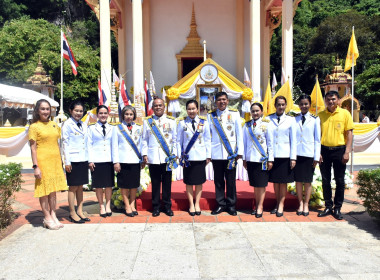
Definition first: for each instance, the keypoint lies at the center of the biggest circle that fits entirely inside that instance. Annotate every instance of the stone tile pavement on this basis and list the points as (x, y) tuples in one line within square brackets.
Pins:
[(344, 250)]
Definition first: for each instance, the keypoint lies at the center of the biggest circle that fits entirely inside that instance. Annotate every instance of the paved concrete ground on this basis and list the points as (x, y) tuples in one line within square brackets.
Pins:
[(194, 251)]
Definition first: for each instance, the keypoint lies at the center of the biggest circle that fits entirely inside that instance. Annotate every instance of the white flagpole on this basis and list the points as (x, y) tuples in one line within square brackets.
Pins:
[(316, 97), (60, 114), (204, 50), (352, 107)]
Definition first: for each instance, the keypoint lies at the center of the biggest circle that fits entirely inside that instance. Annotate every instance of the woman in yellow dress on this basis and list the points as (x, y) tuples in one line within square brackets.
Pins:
[(47, 162)]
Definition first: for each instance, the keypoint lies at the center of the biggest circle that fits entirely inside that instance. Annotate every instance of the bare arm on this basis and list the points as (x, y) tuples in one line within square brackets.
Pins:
[(349, 136), (33, 149)]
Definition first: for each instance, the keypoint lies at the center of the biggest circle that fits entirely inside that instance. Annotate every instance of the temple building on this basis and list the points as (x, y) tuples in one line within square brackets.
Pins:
[(167, 37)]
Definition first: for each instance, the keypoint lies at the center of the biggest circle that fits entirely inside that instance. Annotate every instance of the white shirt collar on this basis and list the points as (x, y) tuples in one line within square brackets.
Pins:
[(188, 119)]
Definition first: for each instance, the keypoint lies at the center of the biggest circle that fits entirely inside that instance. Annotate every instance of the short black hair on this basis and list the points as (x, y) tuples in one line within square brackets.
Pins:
[(304, 96), (280, 97), (332, 92), (257, 104), (100, 107), (192, 101), (220, 94), (75, 103)]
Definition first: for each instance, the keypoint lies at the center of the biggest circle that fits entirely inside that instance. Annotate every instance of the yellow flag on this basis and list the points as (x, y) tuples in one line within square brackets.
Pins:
[(267, 100), (317, 102), (285, 92), (352, 51)]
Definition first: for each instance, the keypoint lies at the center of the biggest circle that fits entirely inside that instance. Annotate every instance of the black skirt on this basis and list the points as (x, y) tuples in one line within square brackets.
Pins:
[(103, 175), (129, 176), (304, 171), (78, 175), (281, 172), (195, 174), (258, 177)]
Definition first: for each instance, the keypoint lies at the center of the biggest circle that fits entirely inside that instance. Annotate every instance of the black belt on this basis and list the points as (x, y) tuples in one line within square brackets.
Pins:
[(334, 148)]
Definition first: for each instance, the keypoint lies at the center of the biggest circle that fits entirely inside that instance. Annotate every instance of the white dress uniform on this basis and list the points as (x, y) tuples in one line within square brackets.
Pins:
[(225, 179), (156, 158), (283, 143), (195, 174), (257, 176), (123, 153), (308, 146), (74, 141), (99, 152), (151, 147), (74, 144)]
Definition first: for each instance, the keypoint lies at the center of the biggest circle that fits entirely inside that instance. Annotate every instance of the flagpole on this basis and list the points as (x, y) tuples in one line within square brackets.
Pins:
[(316, 97), (352, 107), (61, 116)]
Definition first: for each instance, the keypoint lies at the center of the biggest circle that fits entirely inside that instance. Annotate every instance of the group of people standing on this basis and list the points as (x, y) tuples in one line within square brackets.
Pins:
[(278, 148)]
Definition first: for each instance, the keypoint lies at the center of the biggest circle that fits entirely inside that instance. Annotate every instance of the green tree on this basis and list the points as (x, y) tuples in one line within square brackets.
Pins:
[(22, 41), (367, 87), (10, 10)]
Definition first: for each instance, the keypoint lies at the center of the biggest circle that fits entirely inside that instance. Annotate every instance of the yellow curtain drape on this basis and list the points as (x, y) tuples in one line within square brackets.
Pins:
[(187, 84), (8, 132), (363, 128), (229, 83)]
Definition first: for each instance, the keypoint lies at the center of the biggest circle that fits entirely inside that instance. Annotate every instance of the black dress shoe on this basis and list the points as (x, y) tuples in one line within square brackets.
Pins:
[(156, 213), (76, 222), (254, 212), (103, 215), (169, 212), (337, 214), (109, 214), (305, 214), (326, 212), (274, 211), (218, 210), (257, 215), (135, 213), (232, 211), (129, 214), (299, 213), (198, 213), (85, 219), (191, 213), (278, 214)]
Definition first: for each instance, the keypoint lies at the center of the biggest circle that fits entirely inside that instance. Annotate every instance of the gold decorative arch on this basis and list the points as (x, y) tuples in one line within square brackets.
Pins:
[(345, 103)]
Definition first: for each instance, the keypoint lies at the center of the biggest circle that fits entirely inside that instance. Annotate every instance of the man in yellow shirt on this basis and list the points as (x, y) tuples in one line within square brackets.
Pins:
[(336, 141)]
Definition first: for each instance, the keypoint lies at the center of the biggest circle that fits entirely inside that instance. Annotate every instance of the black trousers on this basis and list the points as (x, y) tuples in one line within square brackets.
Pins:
[(224, 179), (158, 175), (333, 158)]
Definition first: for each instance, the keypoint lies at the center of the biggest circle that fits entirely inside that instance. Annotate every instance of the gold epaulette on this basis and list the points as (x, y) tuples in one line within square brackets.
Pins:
[(212, 111), (179, 119), (248, 121), (242, 120), (139, 124), (203, 118), (233, 110), (170, 117), (145, 118), (314, 116), (91, 123), (290, 114), (265, 120), (298, 114)]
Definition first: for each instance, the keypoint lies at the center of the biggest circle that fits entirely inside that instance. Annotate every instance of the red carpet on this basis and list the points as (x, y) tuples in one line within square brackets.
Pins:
[(245, 197)]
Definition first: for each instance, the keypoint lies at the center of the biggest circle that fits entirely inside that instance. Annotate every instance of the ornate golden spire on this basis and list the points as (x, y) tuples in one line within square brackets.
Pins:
[(193, 45), (193, 35)]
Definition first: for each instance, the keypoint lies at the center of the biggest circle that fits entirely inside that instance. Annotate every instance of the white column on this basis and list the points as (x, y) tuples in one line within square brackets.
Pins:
[(138, 62), (105, 48), (255, 62), (287, 40), (265, 47)]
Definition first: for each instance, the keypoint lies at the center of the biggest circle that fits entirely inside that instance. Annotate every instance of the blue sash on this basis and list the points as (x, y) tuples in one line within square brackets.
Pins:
[(170, 160), (185, 155), (222, 135), (258, 146), (130, 141)]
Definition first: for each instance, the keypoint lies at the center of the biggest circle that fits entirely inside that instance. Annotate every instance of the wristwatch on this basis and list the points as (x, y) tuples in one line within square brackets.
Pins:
[(35, 166)]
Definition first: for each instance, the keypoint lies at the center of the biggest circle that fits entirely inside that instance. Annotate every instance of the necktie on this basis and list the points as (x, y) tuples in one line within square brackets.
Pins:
[(278, 119), (193, 124), (254, 124), (79, 125), (303, 119), (129, 127), (104, 130)]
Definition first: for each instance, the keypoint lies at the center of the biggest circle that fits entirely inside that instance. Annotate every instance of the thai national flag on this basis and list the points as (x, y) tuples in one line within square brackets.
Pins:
[(101, 94), (148, 100), (67, 53), (123, 97)]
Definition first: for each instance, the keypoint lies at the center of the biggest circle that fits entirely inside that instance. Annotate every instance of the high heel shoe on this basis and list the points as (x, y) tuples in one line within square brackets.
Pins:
[(299, 213), (135, 213), (198, 213), (129, 214), (60, 225), (85, 219), (109, 214), (103, 215), (274, 211), (191, 213), (76, 222), (259, 215), (50, 225)]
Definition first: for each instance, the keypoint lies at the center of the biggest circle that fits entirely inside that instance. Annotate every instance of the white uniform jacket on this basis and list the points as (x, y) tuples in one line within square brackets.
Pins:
[(261, 132), (151, 147), (74, 141), (201, 149), (283, 137), (232, 126), (308, 136), (122, 151), (99, 146)]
